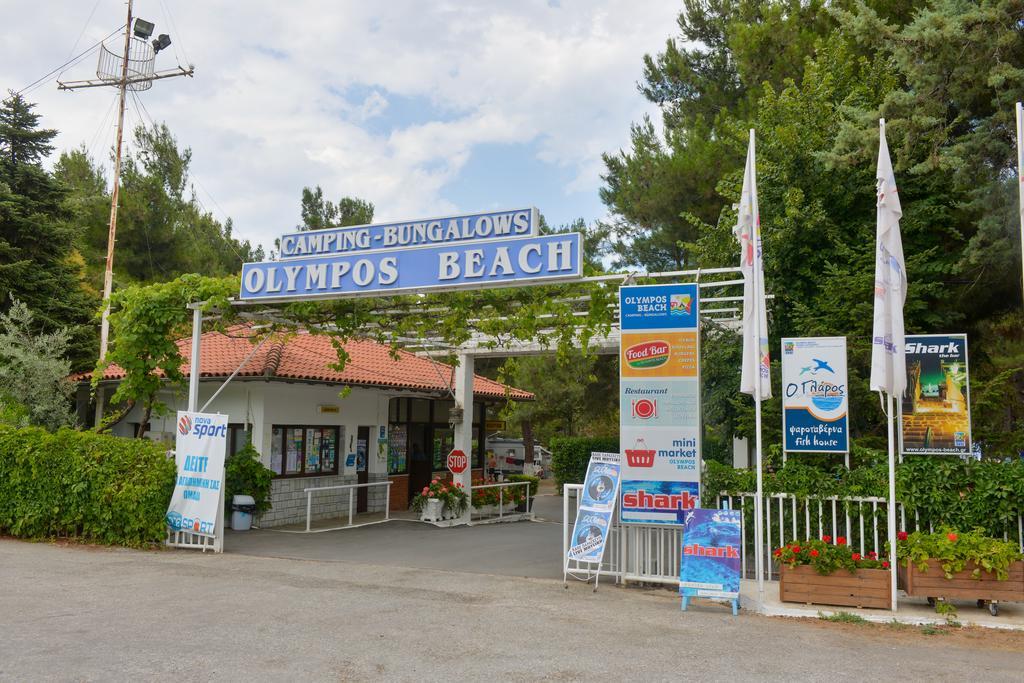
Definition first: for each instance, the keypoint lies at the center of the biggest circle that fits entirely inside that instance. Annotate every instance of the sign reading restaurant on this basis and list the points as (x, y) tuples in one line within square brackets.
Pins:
[(497, 249)]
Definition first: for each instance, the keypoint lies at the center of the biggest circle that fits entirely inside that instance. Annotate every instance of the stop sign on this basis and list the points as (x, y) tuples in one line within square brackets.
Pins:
[(457, 461)]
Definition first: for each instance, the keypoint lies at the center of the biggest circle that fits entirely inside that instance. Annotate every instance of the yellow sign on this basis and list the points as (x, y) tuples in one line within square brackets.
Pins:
[(327, 409), (495, 425), (658, 354)]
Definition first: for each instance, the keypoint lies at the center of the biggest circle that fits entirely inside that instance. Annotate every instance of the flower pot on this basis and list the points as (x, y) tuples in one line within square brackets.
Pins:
[(932, 583), (432, 511), (863, 588)]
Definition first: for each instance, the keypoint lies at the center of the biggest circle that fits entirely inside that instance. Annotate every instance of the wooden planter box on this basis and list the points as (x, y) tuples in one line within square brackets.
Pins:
[(934, 584), (865, 588)]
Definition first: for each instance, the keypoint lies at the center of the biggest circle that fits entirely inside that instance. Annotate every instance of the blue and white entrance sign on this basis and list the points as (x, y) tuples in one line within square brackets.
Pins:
[(199, 451), (659, 402), (597, 506), (815, 395), (464, 264), (712, 552), (422, 232)]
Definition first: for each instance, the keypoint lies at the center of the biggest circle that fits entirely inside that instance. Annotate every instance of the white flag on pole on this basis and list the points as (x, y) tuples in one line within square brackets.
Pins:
[(756, 367), (888, 357)]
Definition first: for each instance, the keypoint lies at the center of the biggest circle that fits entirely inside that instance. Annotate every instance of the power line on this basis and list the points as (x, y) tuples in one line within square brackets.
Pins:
[(66, 65), (85, 27)]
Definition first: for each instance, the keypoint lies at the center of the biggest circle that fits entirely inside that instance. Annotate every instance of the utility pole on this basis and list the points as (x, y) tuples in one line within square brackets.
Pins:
[(141, 57)]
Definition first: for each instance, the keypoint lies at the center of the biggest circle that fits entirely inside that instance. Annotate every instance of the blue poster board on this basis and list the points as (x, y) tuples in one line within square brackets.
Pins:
[(597, 506), (712, 555)]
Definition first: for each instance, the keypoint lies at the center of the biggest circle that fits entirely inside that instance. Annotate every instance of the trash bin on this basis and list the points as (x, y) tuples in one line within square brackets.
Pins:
[(242, 509)]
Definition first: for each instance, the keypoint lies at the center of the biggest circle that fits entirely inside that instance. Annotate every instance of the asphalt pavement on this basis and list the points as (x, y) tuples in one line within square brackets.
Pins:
[(78, 613)]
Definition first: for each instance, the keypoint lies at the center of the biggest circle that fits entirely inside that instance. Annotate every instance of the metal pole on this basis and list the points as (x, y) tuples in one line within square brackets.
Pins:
[(309, 506), (193, 378), (891, 512), (1020, 178), (108, 273), (758, 501)]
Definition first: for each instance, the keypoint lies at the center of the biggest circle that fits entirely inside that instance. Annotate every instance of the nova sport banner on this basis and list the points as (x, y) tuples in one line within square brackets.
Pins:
[(815, 395), (199, 451), (712, 552), (597, 505), (659, 402), (937, 406)]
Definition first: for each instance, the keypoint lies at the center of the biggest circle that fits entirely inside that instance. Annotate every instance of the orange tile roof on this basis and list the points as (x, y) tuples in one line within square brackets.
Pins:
[(305, 356)]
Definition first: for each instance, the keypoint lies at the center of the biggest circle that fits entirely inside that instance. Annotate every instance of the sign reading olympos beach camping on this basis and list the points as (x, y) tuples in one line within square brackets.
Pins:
[(659, 402), (597, 505), (710, 563), (815, 395), (199, 451), (937, 405), (498, 249)]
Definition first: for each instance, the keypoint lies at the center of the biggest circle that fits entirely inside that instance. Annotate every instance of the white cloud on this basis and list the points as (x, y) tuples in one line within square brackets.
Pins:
[(300, 93)]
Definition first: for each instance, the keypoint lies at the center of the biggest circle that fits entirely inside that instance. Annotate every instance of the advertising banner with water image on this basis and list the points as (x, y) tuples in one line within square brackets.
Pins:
[(597, 506), (712, 554), (937, 406), (815, 395)]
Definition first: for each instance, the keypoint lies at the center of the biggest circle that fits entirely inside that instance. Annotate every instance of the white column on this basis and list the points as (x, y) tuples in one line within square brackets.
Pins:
[(193, 378), (464, 429)]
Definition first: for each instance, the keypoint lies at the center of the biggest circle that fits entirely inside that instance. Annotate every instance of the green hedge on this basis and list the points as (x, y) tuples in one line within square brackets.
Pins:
[(534, 482), (91, 487), (571, 454)]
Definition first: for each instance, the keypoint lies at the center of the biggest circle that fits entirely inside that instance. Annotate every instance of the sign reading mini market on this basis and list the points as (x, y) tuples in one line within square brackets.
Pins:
[(498, 249)]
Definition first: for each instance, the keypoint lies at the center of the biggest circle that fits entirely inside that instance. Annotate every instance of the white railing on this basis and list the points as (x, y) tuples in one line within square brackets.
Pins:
[(351, 502), (651, 553), (500, 515)]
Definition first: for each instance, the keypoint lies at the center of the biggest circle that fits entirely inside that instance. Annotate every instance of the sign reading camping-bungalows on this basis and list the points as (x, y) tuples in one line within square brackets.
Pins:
[(200, 444), (937, 406), (815, 395), (497, 249), (659, 402)]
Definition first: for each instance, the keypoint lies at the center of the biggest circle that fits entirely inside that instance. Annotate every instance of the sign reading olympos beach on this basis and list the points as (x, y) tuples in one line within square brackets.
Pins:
[(815, 395), (937, 405), (498, 249), (659, 402)]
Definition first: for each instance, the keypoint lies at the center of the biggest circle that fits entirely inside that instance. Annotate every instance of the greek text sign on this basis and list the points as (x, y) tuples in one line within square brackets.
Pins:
[(422, 232), (815, 395), (659, 403), (504, 263), (200, 445), (937, 405), (597, 505), (709, 566)]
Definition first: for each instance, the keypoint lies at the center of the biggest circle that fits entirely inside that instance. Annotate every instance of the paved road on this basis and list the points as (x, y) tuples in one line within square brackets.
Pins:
[(78, 613), (525, 549)]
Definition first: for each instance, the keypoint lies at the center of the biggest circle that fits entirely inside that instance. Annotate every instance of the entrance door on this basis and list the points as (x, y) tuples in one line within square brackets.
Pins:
[(420, 464), (362, 473)]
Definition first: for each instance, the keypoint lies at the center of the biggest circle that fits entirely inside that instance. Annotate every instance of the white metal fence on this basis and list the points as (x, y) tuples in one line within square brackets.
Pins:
[(650, 554), (351, 502), (506, 508)]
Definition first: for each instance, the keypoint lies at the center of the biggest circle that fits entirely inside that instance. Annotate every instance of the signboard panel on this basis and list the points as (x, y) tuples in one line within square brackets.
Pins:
[(495, 263), (200, 444), (659, 401), (815, 395), (417, 233), (712, 552), (597, 506), (937, 406)]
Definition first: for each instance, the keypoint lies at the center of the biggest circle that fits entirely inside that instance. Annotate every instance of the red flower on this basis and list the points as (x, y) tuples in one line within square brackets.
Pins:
[(814, 553), (901, 535), (872, 554), (827, 539), (840, 540), (425, 490), (856, 556), (778, 552), (952, 537), (795, 549), (885, 565)]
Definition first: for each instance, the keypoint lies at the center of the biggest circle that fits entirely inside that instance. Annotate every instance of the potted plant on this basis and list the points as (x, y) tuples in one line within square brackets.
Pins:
[(960, 565), (824, 572), (244, 474), (440, 500), (485, 501)]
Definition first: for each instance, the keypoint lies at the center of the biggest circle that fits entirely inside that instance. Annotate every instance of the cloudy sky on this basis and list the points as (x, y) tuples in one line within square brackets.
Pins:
[(423, 108)]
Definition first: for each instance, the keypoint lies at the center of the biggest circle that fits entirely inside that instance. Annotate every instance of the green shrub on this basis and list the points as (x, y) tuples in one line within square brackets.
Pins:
[(245, 475), (82, 485), (534, 482), (570, 456)]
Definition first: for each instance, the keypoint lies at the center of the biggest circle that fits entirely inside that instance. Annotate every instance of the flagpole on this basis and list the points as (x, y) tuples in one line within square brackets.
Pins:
[(756, 283), (1020, 181), (892, 504)]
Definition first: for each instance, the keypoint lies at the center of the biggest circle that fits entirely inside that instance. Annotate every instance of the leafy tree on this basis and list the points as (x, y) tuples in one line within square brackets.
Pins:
[(21, 139), (319, 213), (34, 385)]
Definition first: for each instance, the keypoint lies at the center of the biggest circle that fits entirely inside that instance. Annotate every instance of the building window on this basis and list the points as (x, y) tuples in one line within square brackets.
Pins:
[(398, 448), (238, 438), (304, 451)]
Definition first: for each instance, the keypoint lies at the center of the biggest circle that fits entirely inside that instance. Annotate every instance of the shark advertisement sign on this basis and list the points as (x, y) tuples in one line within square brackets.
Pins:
[(936, 410), (815, 395), (709, 566), (659, 402)]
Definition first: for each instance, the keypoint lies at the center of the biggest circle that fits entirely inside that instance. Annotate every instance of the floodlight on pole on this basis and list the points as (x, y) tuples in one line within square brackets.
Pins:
[(143, 28), (161, 42)]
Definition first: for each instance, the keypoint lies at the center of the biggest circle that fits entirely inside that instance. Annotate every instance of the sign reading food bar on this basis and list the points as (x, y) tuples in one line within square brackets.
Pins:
[(659, 402)]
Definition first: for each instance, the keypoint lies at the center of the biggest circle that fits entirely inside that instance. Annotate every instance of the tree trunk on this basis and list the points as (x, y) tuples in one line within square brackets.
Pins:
[(144, 425), (527, 428)]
